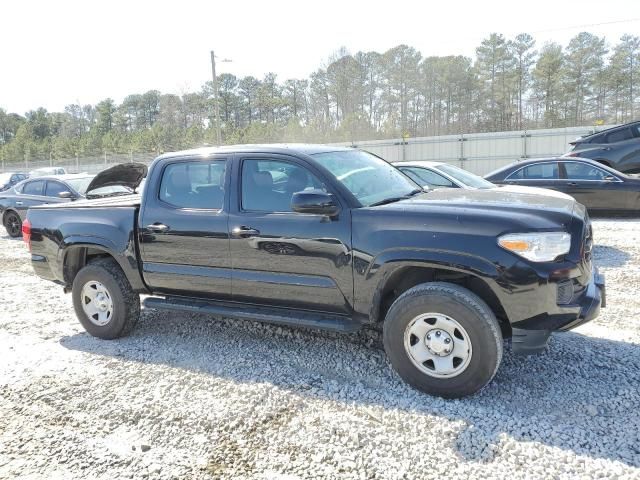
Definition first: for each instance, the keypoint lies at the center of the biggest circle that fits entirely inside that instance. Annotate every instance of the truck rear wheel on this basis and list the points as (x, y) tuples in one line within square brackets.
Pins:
[(104, 301), (443, 339)]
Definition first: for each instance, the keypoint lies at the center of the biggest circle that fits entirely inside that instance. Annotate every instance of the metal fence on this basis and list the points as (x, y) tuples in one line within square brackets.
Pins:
[(477, 152)]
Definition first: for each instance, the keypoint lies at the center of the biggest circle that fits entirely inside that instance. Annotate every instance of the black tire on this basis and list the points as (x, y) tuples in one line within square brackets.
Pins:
[(12, 223), (471, 312), (126, 303)]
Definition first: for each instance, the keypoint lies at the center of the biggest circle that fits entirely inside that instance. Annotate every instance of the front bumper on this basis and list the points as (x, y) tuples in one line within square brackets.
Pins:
[(527, 341)]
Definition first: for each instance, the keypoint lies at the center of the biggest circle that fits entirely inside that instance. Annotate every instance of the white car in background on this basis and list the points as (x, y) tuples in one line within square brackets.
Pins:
[(433, 175), (46, 171)]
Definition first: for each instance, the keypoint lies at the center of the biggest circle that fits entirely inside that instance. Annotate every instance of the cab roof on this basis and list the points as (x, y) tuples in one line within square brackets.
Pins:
[(283, 148)]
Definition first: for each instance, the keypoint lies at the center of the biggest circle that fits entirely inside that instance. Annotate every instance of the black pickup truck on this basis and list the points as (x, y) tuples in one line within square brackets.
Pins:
[(331, 238)]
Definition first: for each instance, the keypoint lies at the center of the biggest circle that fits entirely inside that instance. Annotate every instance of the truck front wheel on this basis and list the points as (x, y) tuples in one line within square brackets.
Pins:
[(104, 301), (443, 339)]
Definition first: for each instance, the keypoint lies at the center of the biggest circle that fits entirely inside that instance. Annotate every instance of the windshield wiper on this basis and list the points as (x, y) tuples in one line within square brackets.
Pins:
[(397, 199)]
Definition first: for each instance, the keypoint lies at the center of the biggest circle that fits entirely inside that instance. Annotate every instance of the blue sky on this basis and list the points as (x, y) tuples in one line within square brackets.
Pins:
[(61, 52)]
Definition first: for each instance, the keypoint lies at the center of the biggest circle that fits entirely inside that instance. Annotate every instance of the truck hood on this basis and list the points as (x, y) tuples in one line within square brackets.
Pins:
[(496, 201), (125, 174)]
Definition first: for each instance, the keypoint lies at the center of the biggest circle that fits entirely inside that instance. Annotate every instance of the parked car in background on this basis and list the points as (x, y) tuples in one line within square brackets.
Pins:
[(598, 187), (433, 175), (15, 202), (9, 179), (617, 147), (40, 172)]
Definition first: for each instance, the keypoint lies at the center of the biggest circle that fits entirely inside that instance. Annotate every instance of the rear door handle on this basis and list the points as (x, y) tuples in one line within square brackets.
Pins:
[(572, 184), (157, 227), (244, 232), (18, 203)]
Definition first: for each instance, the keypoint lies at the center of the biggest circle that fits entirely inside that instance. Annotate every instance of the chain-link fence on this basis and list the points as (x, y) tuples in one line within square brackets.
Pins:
[(79, 164)]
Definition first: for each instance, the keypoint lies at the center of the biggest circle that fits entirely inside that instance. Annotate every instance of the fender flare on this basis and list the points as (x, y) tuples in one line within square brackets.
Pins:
[(127, 263), (389, 262)]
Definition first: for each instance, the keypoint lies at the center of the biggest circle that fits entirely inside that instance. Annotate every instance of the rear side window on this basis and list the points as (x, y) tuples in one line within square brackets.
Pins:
[(538, 171), (197, 184), (619, 136), (33, 188), (55, 188)]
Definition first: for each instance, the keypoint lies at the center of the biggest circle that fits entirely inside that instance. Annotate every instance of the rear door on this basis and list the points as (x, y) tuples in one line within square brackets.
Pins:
[(281, 257), (543, 174), (184, 238)]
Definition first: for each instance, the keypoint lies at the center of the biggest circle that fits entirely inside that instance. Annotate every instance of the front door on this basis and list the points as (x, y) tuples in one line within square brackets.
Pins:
[(594, 187), (183, 229), (280, 257)]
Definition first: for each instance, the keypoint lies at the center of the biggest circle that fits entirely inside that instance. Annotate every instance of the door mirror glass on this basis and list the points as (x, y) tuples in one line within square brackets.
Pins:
[(66, 194), (314, 201)]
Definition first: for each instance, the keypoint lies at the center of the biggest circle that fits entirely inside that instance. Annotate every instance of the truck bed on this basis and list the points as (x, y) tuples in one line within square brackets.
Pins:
[(132, 200)]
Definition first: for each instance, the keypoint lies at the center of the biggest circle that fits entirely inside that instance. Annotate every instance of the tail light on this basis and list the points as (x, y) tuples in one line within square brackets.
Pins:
[(26, 233)]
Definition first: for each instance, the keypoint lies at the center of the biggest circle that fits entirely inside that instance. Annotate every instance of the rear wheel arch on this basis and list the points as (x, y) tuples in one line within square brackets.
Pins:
[(78, 256)]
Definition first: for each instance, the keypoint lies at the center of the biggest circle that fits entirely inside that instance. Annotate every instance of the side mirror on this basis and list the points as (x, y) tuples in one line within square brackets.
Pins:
[(314, 201), (609, 178), (66, 195)]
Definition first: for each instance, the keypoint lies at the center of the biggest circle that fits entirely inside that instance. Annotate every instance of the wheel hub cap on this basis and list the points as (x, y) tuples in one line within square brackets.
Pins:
[(438, 345), (439, 342), (97, 303)]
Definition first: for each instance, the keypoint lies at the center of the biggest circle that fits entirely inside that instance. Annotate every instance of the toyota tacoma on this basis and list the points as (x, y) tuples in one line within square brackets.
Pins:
[(331, 238)]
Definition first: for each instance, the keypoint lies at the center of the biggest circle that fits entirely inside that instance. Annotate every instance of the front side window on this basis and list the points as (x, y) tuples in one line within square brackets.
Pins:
[(426, 177), (197, 184), (269, 185), (33, 188), (55, 188), (583, 171), (538, 171)]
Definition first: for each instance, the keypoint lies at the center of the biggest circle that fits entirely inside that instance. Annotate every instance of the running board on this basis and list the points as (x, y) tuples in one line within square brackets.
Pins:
[(280, 316)]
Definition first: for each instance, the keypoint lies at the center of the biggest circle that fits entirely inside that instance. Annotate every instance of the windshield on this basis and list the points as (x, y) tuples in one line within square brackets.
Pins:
[(369, 178), (80, 185), (465, 177)]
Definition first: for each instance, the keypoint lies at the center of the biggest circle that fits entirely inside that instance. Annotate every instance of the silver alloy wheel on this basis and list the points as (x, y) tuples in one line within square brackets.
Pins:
[(96, 303), (437, 345)]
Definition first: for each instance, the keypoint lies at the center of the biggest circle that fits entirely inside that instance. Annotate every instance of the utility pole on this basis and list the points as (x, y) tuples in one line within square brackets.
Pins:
[(216, 107), (216, 102)]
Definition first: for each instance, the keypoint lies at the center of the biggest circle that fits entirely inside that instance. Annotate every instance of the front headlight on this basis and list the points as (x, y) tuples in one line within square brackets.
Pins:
[(537, 247)]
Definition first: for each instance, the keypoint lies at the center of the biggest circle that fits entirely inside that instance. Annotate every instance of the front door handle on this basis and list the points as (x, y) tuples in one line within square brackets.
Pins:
[(244, 232), (18, 203), (157, 227), (572, 184)]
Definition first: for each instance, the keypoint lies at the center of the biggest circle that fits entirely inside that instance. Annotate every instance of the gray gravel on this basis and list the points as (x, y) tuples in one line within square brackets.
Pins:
[(187, 396)]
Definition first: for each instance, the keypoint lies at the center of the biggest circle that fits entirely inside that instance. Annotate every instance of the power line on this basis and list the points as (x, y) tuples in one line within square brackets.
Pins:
[(587, 25)]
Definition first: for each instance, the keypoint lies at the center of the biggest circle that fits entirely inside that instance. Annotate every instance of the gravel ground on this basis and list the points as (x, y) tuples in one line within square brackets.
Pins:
[(187, 396)]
